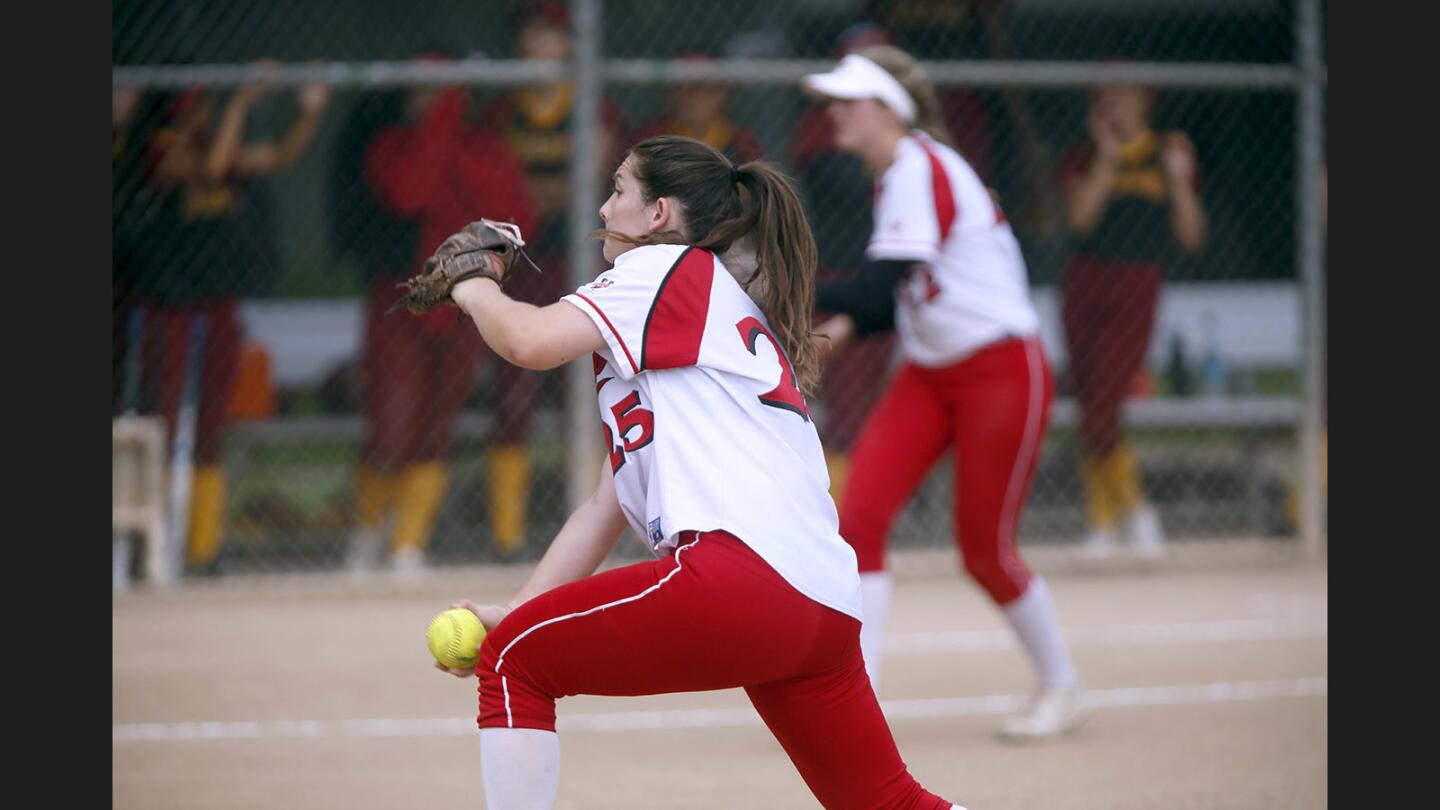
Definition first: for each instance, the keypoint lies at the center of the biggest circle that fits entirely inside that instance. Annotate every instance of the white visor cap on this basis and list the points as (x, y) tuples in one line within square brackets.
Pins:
[(858, 77)]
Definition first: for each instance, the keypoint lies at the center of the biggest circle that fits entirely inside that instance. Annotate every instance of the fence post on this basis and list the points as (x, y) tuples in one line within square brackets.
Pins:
[(1309, 240), (582, 449)]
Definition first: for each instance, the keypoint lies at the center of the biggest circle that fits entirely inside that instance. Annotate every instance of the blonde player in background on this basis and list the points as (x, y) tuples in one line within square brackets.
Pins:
[(700, 362), (944, 270)]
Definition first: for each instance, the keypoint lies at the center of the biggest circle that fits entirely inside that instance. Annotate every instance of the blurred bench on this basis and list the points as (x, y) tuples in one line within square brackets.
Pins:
[(1206, 412), (1255, 420), (245, 438), (1200, 412), (351, 427), (137, 496)]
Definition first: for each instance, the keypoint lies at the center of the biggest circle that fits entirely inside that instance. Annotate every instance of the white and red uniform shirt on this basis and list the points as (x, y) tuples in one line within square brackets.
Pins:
[(705, 423), (931, 207)]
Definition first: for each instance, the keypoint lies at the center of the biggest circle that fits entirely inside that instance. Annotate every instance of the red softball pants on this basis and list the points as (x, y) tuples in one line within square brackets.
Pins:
[(1109, 312), (166, 344), (416, 380), (712, 616), (992, 407)]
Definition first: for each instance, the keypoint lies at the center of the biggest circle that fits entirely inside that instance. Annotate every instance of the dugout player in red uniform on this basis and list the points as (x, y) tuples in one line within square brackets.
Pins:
[(1133, 206), (699, 337), (437, 171), (945, 271)]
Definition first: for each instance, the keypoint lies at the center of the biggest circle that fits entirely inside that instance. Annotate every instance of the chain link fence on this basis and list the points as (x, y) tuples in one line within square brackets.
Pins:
[(264, 210)]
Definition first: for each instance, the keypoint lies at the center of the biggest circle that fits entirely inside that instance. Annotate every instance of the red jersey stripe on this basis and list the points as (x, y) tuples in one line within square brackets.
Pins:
[(618, 339), (676, 322), (940, 187)]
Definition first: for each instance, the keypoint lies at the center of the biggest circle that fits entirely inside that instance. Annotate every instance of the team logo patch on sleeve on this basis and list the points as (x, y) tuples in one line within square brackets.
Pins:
[(599, 284), (656, 535)]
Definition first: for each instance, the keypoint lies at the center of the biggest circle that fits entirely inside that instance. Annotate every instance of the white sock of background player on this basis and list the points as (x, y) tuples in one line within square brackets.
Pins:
[(876, 590), (520, 768), (1034, 620)]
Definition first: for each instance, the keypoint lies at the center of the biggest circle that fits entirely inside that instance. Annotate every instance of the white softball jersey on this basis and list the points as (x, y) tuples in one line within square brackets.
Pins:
[(932, 208), (705, 423)]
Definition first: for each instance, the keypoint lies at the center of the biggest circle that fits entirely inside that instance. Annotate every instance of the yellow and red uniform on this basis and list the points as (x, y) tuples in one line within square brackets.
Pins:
[(1110, 292)]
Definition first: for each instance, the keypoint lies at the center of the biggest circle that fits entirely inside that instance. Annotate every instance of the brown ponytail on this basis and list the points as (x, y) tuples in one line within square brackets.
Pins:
[(724, 205)]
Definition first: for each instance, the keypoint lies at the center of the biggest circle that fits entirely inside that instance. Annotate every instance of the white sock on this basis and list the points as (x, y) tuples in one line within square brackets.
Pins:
[(1034, 620), (520, 768), (876, 588)]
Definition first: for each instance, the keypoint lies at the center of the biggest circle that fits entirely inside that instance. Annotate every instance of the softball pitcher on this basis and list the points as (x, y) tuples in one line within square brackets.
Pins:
[(700, 366), (945, 271)]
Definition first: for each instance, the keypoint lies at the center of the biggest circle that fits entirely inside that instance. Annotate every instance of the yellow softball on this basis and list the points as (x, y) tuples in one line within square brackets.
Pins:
[(453, 637)]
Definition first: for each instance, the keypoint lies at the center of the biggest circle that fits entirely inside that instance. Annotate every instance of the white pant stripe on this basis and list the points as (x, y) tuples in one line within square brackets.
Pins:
[(1011, 505), (505, 685), (500, 663)]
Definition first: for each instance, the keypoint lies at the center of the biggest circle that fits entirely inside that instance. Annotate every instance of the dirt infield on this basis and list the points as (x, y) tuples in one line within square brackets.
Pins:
[(1210, 684)]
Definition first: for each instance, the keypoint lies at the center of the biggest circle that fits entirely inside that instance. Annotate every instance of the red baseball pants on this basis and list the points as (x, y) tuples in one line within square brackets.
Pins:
[(416, 380), (993, 407), (712, 616), (166, 345), (1109, 312)]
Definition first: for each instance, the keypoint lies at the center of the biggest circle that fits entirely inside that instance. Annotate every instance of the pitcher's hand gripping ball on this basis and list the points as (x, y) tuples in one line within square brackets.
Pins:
[(483, 248), (453, 637)]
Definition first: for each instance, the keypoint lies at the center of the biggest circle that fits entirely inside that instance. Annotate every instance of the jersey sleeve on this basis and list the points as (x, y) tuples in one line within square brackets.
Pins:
[(651, 307), (907, 226)]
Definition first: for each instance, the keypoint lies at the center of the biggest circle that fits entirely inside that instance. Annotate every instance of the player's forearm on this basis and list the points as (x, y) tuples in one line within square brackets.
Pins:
[(267, 158), (538, 338), (582, 544), (835, 331), (508, 326), (1187, 218), (226, 147)]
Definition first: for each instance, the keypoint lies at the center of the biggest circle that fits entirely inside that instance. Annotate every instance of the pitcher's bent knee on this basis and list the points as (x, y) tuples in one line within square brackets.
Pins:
[(509, 696)]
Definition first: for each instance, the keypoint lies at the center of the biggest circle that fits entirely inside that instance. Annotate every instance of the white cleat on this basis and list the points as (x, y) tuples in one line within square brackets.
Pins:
[(1100, 544), (364, 552), (407, 562), (1142, 528), (1052, 712)]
